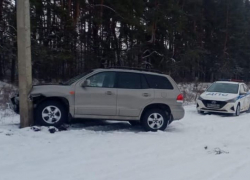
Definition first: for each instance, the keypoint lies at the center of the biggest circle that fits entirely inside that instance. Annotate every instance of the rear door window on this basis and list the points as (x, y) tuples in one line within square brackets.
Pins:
[(129, 80), (144, 83), (158, 82)]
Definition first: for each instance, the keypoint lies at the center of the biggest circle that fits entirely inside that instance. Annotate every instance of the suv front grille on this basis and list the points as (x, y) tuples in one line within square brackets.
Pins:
[(214, 104)]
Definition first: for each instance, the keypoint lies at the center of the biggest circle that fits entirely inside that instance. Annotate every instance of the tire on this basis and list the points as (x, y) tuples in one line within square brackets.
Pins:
[(237, 112), (154, 120), (51, 113), (248, 111), (135, 123), (171, 119)]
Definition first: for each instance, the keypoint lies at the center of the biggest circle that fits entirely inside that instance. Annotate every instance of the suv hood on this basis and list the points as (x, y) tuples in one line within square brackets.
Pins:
[(218, 96), (50, 84), (51, 90)]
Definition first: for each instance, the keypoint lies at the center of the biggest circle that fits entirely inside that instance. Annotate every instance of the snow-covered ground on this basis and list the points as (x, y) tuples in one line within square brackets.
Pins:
[(200, 147)]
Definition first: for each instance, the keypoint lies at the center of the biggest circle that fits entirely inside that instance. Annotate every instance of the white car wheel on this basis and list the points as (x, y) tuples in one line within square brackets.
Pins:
[(237, 113)]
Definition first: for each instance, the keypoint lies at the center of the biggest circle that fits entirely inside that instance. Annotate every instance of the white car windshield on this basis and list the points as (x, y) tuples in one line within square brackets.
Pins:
[(224, 88)]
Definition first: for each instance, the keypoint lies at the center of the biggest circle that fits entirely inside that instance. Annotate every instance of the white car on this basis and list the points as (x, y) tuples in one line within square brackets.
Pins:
[(225, 97)]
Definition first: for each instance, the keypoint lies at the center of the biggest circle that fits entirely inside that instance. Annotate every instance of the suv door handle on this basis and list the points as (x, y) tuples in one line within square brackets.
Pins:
[(146, 94), (109, 93)]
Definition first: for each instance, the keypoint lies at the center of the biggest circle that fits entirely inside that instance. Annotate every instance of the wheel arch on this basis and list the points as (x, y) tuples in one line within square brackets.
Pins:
[(161, 106), (40, 99)]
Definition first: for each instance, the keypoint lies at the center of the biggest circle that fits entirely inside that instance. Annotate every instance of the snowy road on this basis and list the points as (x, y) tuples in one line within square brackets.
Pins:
[(187, 150)]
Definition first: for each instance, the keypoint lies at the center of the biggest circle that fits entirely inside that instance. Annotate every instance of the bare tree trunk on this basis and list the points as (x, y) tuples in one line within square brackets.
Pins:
[(226, 36), (24, 62)]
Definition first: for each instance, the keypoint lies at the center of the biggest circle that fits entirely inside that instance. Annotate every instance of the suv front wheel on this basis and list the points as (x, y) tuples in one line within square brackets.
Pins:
[(51, 113), (155, 119)]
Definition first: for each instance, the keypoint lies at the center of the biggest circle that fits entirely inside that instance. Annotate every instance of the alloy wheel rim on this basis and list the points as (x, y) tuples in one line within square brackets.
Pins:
[(51, 114), (155, 121)]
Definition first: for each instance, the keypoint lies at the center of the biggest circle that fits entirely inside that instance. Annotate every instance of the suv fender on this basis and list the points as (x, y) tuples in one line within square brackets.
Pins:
[(160, 106)]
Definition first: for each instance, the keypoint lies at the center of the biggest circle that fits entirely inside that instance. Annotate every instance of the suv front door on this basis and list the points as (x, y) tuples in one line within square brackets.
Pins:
[(133, 94), (98, 97)]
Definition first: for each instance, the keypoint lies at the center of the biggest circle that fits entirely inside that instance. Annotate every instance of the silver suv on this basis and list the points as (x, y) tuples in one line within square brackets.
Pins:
[(138, 96)]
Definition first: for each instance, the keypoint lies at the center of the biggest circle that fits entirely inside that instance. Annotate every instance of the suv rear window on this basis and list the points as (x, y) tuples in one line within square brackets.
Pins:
[(158, 82)]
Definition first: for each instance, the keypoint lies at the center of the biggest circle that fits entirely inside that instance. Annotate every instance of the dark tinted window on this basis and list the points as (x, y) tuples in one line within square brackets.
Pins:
[(224, 88), (129, 81), (144, 83), (158, 82)]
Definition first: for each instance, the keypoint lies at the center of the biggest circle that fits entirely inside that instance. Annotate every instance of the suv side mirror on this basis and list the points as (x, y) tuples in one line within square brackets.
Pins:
[(86, 83)]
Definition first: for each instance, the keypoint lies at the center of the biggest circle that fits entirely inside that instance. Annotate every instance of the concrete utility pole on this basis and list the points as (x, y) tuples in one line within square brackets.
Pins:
[(24, 62)]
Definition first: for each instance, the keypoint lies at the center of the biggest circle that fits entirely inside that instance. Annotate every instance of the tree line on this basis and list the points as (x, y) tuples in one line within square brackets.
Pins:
[(202, 40)]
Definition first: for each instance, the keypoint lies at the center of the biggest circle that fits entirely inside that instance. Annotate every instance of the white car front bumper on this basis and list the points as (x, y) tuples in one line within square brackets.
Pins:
[(228, 108)]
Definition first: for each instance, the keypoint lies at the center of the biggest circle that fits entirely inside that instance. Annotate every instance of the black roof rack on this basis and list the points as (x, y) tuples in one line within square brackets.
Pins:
[(134, 68)]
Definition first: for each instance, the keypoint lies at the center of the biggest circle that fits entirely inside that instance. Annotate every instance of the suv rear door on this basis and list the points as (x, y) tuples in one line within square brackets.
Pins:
[(164, 90), (133, 94), (99, 98)]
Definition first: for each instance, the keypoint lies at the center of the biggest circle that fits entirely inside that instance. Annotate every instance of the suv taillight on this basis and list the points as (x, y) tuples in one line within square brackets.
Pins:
[(180, 98)]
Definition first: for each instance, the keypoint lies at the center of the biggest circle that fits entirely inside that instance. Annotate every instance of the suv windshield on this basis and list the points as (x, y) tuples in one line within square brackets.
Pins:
[(74, 79), (224, 88)]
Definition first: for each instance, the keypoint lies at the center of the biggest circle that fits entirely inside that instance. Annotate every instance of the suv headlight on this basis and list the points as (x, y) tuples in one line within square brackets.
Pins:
[(232, 100)]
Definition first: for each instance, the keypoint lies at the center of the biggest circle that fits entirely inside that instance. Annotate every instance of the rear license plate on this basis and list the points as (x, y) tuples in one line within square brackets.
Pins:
[(216, 106)]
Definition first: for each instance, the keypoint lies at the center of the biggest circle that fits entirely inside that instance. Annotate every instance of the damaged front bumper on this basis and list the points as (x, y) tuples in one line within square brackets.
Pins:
[(14, 103)]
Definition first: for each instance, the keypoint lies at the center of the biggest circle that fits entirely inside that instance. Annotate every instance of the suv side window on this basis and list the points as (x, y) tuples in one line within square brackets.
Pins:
[(144, 83), (129, 80), (103, 79), (158, 82)]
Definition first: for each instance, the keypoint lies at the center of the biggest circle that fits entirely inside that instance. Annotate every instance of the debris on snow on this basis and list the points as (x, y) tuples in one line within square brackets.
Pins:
[(219, 151), (63, 127), (36, 128), (52, 129)]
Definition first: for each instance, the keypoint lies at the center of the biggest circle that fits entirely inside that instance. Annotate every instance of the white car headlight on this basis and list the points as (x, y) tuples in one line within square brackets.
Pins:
[(200, 98)]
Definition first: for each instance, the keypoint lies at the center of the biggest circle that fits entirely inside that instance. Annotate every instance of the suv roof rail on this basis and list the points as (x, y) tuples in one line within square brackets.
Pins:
[(133, 68)]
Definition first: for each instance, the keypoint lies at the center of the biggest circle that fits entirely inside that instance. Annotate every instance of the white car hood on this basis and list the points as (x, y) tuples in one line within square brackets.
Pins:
[(218, 96)]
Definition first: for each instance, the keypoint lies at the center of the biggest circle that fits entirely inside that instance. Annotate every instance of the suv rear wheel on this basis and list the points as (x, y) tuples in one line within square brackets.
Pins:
[(155, 119), (51, 113)]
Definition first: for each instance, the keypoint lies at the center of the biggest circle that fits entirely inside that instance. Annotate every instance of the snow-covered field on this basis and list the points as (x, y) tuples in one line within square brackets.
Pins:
[(200, 147)]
